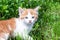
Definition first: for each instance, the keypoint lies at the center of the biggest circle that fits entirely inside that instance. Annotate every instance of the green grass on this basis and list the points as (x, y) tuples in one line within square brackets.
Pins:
[(48, 25)]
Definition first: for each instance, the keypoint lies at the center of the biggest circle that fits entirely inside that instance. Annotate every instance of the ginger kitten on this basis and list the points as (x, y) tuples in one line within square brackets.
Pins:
[(21, 25)]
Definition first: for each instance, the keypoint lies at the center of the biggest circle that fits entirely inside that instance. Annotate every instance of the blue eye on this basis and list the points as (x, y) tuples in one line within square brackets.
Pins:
[(26, 17), (33, 17)]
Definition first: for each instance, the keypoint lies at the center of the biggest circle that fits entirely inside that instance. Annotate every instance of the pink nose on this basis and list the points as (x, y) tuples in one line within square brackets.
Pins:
[(29, 21)]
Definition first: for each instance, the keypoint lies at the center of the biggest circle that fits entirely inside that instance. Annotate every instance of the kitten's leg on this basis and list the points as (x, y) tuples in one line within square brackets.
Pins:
[(4, 36)]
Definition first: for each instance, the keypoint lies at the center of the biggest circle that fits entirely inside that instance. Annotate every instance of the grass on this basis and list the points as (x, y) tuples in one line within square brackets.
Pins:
[(47, 26)]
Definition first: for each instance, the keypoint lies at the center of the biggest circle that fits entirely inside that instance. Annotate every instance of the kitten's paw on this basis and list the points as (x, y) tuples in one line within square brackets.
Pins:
[(2, 39), (30, 38)]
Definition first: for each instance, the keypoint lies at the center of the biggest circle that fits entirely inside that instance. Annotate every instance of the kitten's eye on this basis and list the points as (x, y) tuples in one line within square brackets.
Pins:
[(26, 17), (33, 17)]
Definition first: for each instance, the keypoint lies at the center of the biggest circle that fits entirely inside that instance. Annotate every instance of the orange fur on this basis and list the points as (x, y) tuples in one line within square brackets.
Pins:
[(4, 26)]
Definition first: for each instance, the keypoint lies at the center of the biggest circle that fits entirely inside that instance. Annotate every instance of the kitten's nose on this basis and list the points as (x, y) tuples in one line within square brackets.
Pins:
[(29, 21)]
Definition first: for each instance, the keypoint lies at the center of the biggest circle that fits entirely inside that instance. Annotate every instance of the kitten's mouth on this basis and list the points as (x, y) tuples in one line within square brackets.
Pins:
[(29, 23)]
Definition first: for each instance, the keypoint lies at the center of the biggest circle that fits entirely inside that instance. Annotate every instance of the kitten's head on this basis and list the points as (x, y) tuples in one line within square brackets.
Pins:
[(29, 16)]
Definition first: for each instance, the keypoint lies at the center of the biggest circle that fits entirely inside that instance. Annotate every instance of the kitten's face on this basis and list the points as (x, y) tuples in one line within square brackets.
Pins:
[(29, 16)]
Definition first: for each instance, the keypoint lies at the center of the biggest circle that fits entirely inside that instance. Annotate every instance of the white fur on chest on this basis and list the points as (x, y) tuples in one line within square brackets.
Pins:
[(22, 28)]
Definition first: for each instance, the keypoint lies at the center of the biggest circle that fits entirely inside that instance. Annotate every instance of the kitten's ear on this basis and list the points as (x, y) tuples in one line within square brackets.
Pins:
[(37, 8), (20, 10)]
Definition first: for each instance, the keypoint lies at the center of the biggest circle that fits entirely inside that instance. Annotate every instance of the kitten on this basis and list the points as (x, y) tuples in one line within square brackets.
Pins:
[(21, 25)]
